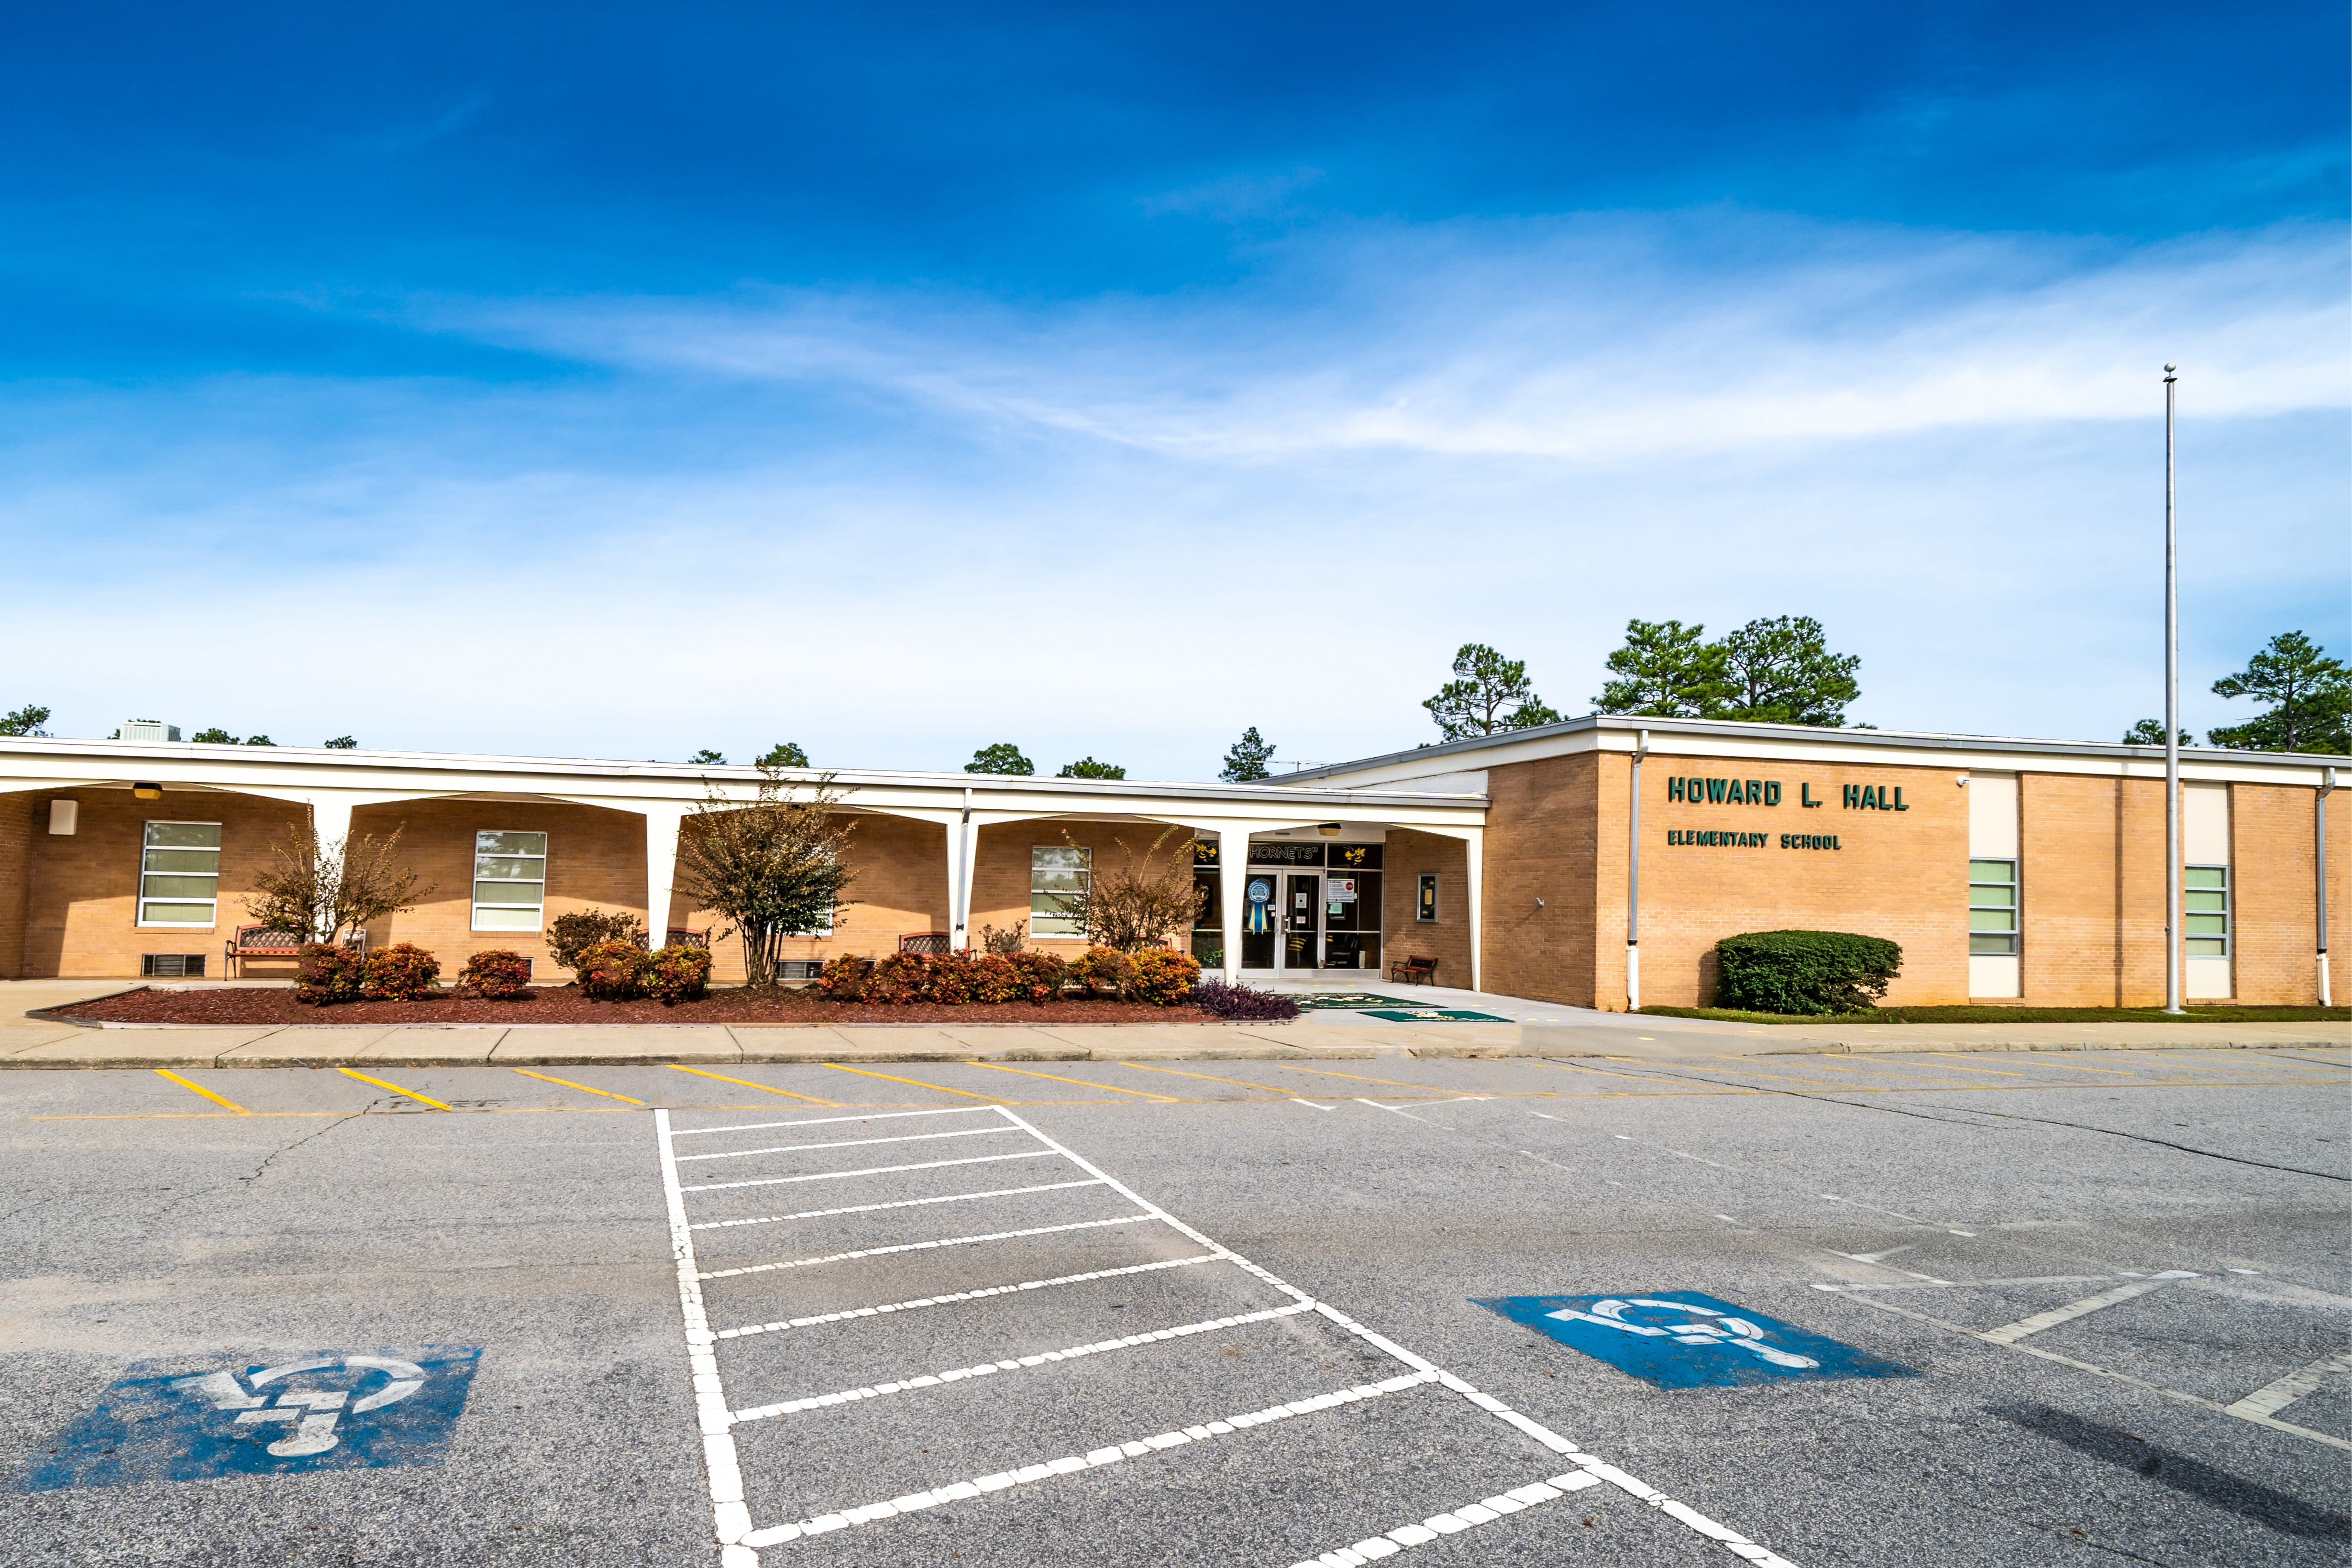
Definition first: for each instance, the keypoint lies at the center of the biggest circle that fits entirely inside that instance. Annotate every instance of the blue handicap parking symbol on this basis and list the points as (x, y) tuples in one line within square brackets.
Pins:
[(1680, 1339), (170, 1421)]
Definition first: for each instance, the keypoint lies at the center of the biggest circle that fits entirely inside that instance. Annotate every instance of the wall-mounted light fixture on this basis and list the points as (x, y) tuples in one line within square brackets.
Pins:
[(65, 816), (146, 792), (1328, 829)]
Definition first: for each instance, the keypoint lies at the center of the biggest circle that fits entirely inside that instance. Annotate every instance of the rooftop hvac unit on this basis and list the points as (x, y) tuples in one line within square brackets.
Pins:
[(149, 730)]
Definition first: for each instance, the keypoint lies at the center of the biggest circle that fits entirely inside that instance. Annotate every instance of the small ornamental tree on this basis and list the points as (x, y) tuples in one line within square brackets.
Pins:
[(401, 972), (1139, 903), (335, 890), (773, 867), (571, 933)]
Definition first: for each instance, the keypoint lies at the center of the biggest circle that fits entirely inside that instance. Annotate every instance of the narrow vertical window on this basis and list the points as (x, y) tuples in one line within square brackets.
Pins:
[(509, 880), (1424, 909), (2206, 897), (1992, 906), (1058, 874), (179, 874)]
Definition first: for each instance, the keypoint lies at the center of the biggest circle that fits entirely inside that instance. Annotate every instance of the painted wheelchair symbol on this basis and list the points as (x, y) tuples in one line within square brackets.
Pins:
[(1724, 1329), (311, 1412)]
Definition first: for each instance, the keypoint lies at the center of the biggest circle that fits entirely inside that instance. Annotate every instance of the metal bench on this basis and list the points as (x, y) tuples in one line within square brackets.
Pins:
[(260, 942), (679, 936), (934, 943), (1414, 971)]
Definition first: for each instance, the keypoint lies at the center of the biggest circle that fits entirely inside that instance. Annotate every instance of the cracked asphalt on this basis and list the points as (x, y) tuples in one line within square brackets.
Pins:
[(1906, 1206)]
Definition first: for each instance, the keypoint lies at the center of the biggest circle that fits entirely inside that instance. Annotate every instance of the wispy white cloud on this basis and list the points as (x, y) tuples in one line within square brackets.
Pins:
[(1602, 338)]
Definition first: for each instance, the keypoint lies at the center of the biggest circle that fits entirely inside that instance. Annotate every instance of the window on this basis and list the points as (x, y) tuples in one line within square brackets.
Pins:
[(1992, 906), (1058, 873), (2207, 897), (1424, 909), (179, 874), (509, 880)]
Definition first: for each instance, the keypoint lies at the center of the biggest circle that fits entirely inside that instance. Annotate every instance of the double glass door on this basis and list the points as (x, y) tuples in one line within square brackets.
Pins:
[(1300, 913)]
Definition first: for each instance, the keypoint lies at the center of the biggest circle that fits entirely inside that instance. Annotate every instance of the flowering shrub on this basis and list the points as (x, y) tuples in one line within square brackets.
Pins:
[(401, 972), (844, 979), (329, 973), (994, 978), (1039, 976), (948, 980), (609, 971), (1242, 1004), (675, 973), (899, 979), (1162, 977), (1104, 971), (496, 976)]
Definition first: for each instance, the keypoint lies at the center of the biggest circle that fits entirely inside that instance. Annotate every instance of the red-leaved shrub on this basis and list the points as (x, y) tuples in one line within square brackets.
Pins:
[(948, 980), (500, 974), (401, 972), (608, 970), (993, 978), (1104, 971), (675, 973), (844, 979), (1039, 976), (1162, 977), (898, 979), (328, 972)]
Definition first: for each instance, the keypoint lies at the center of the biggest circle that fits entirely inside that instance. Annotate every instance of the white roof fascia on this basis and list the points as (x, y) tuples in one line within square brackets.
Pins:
[(29, 763), (1805, 743)]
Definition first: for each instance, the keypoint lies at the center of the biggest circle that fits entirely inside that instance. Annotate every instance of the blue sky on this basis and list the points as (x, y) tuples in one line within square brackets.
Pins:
[(896, 380)]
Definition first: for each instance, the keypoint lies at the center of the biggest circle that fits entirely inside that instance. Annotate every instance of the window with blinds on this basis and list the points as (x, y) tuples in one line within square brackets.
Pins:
[(509, 880), (179, 874)]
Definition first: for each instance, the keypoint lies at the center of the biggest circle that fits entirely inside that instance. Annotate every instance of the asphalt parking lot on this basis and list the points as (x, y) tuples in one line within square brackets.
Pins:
[(1220, 1312)]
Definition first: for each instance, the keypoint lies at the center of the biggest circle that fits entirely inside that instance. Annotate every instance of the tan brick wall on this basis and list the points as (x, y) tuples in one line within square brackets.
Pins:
[(1898, 875), (900, 870), (80, 919), (1000, 886), (2271, 852), (1446, 939), (595, 860), (1542, 837), (2090, 870), (16, 875)]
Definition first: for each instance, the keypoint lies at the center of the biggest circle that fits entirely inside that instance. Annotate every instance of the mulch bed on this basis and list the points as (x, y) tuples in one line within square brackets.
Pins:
[(565, 1004)]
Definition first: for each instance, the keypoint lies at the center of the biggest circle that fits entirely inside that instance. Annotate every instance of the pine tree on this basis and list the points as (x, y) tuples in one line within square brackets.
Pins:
[(1489, 693), (1003, 757), (1246, 761)]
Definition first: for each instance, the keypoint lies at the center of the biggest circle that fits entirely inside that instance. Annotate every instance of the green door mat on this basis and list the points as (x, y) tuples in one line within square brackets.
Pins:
[(1432, 1015), (1317, 1000)]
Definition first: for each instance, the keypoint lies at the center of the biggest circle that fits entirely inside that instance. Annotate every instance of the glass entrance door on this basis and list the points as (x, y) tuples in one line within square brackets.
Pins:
[(1302, 927), (1260, 918)]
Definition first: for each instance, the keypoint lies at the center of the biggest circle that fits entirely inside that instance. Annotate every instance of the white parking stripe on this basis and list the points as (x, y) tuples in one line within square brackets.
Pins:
[(924, 1246), (945, 1297), (868, 1171), (826, 1121), (900, 1204), (2010, 1334), (2272, 1398), (1101, 1347), (1453, 1522), (847, 1143), (1029, 1474)]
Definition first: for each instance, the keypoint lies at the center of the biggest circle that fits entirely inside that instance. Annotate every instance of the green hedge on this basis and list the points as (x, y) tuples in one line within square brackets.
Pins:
[(1808, 972)]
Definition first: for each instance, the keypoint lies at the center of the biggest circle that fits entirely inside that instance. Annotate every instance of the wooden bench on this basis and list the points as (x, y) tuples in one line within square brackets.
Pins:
[(1414, 971), (260, 942), (934, 943)]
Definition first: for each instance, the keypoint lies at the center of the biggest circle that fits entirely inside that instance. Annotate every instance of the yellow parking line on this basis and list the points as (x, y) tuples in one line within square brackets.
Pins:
[(200, 1089), (1893, 1072), (1208, 1077), (747, 1083), (1081, 1083), (2070, 1067), (411, 1094), (567, 1083), (918, 1083)]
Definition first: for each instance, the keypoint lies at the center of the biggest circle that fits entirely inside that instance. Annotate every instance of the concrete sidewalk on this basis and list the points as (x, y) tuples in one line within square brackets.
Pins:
[(1548, 1030)]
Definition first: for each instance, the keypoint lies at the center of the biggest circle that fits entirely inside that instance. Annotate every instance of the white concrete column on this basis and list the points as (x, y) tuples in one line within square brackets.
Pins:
[(963, 851), (662, 821), (1474, 845), (1232, 868), (330, 820)]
